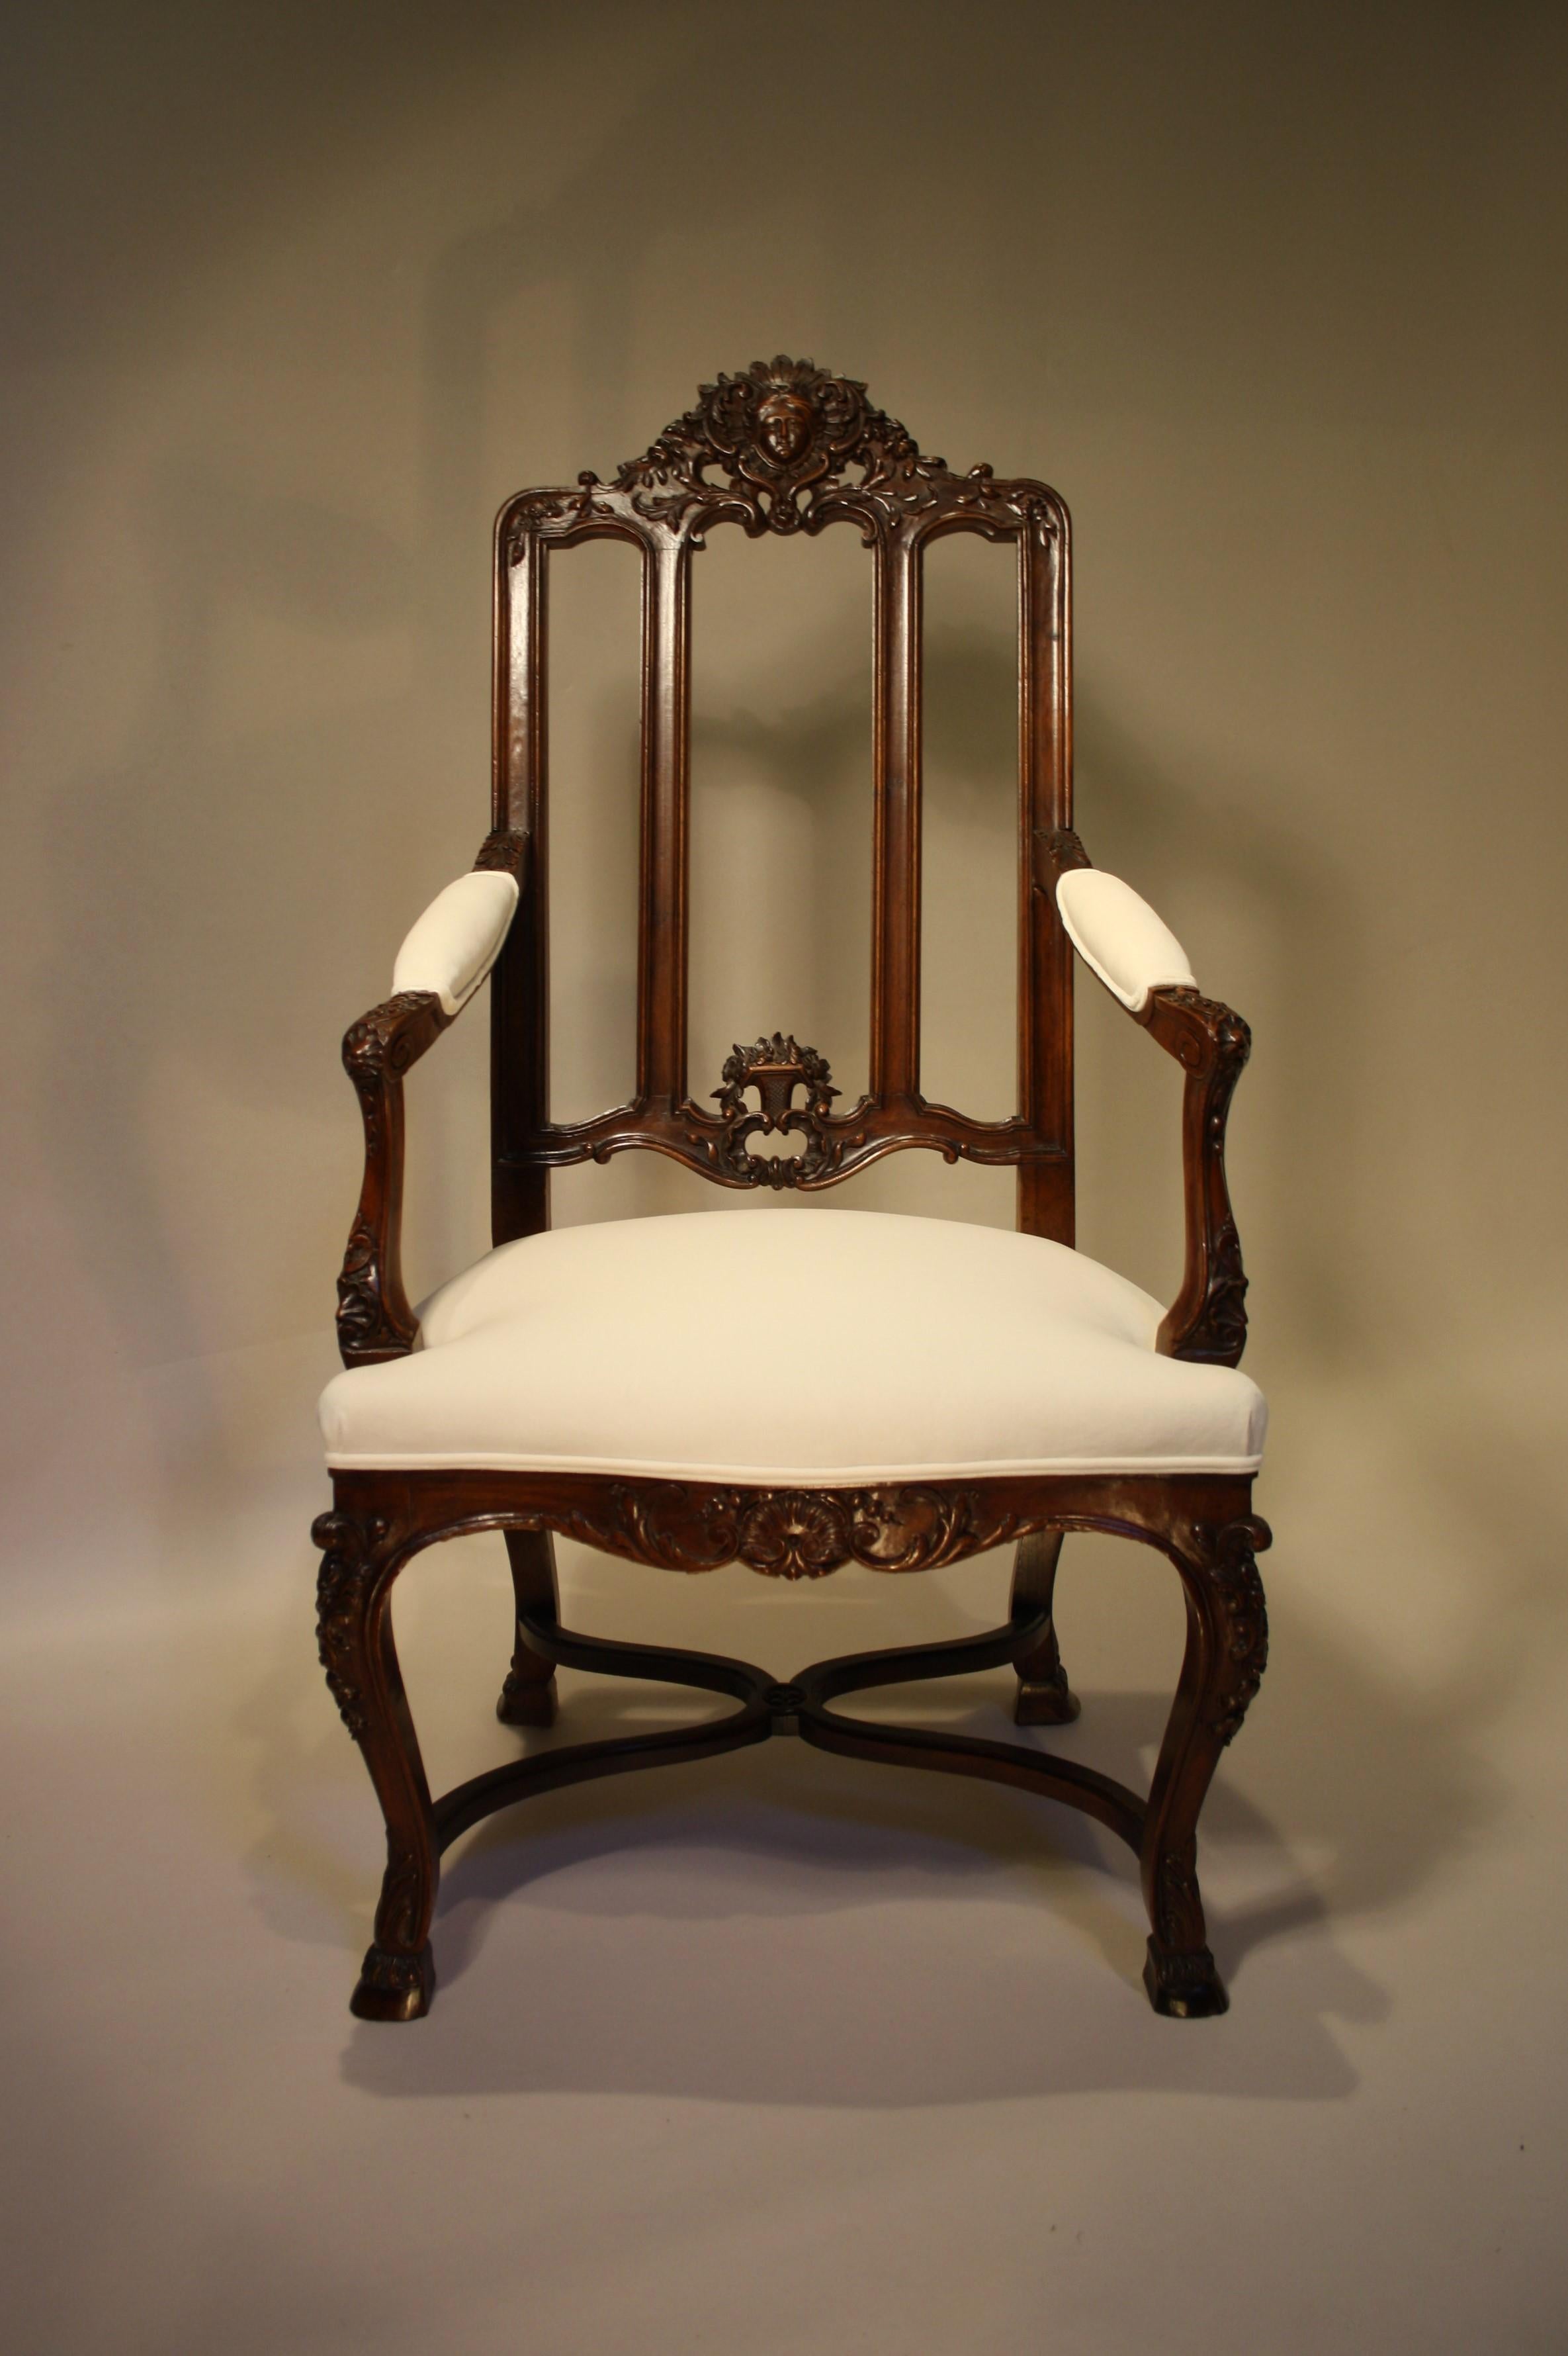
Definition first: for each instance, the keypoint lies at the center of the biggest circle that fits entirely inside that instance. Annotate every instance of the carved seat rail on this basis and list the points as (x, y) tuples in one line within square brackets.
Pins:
[(382, 1520)]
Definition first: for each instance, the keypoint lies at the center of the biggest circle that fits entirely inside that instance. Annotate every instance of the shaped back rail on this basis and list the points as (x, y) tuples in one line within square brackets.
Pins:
[(784, 448)]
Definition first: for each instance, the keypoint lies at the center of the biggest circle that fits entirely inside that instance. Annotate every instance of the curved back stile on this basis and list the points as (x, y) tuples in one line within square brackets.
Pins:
[(784, 448)]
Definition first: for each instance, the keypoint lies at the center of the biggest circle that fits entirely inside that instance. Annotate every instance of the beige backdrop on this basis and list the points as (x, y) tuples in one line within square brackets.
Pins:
[(1274, 297)]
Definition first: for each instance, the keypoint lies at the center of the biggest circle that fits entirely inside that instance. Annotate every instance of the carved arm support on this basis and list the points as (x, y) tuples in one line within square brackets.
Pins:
[(441, 964), (1208, 1319), (1144, 969)]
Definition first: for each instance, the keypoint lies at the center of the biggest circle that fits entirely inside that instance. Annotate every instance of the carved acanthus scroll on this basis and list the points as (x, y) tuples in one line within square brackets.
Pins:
[(348, 1567), (783, 446), (792, 1533), (502, 851), (775, 1068), (1231, 1551), (776, 436), (1066, 850)]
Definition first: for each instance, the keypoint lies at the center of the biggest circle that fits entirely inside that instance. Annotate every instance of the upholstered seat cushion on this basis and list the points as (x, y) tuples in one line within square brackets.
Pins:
[(792, 1346)]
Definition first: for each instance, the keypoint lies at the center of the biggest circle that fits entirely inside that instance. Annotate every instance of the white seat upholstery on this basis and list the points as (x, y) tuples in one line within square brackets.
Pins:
[(796, 1347)]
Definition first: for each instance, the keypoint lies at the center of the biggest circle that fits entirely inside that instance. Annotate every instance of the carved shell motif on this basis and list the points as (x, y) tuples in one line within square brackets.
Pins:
[(792, 1533)]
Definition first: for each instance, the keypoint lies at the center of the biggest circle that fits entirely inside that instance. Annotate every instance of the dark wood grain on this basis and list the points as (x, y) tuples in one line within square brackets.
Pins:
[(1208, 1319), (1044, 1697), (380, 1520), (787, 448), (362, 1553), (528, 1696), (783, 447), (374, 1318)]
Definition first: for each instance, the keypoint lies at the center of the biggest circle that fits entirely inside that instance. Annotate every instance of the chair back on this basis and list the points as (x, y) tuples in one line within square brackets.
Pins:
[(784, 448)]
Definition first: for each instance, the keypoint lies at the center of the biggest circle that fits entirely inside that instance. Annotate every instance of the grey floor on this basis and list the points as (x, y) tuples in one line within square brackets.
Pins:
[(773, 2050)]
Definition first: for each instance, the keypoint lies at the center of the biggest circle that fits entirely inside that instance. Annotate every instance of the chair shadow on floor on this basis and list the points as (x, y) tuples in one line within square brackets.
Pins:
[(792, 1932)]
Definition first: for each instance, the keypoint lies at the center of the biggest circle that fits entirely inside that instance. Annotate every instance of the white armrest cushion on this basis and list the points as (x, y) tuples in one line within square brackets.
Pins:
[(457, 940), (1119, 936)]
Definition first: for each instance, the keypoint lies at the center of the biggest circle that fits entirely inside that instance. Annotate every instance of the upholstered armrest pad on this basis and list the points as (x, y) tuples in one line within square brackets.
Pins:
[(1119, 936), (458, 939)]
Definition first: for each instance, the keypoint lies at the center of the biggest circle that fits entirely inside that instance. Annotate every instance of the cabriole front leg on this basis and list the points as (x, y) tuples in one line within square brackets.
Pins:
[(362, 1553), (1044, 1697), (1227, 1650)]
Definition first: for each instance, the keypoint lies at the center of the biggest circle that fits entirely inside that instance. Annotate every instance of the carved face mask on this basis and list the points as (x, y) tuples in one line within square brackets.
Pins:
[(783, 425)]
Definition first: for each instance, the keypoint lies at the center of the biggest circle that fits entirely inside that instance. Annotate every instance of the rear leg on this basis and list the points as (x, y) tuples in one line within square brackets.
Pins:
[(1044, 1697), (528, 1696)]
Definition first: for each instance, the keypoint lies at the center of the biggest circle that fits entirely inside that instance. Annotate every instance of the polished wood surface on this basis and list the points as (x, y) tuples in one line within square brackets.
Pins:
[(380, 1520), (728, 462), (374, 1318), (1208, 1319), (784, 448)]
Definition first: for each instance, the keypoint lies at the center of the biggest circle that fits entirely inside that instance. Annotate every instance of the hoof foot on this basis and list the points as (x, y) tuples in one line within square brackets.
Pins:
[(1050, 1702), (1184, 1987), (527, 1704), (394, 1987)]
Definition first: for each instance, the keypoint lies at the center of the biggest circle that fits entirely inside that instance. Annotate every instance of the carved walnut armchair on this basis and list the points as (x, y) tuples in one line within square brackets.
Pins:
[(985, 1387)]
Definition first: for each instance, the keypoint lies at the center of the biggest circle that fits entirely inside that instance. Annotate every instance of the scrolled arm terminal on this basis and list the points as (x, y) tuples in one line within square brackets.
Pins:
[(441, 964), (1146, 968)]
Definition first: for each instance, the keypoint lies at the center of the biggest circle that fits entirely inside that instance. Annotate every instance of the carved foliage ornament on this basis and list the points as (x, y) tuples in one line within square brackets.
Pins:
[(504, 851), (342, 1591), (1066, 850), (1232, 1552), (781, 447), (1221, 1332), (1178, 1909), (362, 1322), (771, 434), (383, 1044), (790, 1533), (775, 1067), (401, 1916)]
